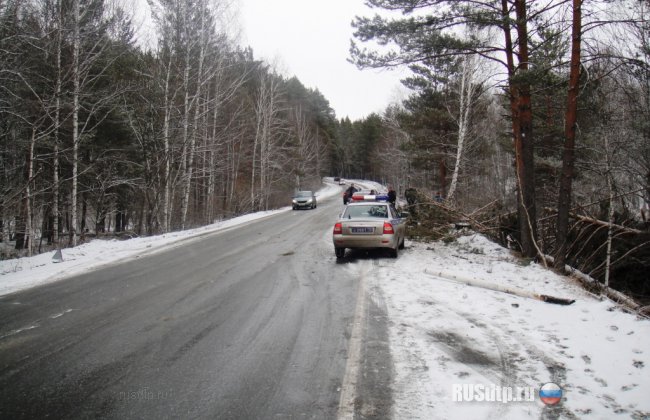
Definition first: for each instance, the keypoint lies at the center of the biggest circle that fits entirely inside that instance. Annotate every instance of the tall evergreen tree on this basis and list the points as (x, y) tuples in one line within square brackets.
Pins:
[(429, 36)]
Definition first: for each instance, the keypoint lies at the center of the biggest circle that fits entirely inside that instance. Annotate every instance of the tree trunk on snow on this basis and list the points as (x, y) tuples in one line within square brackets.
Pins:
[(522, 127), (84, 213), (29, 231), (186, 177), (610, 216), (4, 221), (442, 175), (210, 162), (526, 161), (57, 125), (167, 167), (568, 152), (75, 120), (256, 140)]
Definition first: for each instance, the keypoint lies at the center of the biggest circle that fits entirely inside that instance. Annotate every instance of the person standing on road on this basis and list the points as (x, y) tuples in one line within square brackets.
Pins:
[(348, 194), (392, 195)]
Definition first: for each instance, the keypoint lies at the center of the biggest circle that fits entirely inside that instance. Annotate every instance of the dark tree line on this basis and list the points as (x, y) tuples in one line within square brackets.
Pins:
[(98, 134)]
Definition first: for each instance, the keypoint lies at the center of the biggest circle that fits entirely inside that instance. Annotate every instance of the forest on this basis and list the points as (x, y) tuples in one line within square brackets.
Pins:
[(530, 118)]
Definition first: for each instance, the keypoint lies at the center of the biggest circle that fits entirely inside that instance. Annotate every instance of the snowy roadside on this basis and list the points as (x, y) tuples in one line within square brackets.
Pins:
[(23, 273), (447, 336)]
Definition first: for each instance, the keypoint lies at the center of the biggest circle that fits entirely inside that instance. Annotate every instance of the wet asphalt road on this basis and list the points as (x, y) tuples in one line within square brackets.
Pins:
[(250, 323)]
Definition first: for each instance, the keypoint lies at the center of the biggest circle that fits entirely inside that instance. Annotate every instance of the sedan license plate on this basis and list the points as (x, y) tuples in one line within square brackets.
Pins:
[(362, 230)]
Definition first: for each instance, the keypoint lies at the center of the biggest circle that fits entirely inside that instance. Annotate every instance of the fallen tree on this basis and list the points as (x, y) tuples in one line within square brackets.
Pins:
[(497, 287), (625, 265)]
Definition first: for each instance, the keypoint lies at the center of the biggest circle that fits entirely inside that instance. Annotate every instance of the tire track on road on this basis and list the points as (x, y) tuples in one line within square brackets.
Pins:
[(353, 365)]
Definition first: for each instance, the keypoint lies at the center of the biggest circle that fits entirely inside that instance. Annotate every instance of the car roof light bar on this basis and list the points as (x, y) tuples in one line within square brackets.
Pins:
[(370, 197)]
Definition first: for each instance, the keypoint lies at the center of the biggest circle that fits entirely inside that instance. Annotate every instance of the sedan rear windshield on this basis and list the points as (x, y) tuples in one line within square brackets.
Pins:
[(353, 212)]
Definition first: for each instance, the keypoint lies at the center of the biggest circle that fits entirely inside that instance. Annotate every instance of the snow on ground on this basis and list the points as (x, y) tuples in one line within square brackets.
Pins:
[(23, 273), (445, 334)]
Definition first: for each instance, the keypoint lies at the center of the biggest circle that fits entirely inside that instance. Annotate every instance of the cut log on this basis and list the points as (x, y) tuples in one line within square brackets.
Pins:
[(498, 288)]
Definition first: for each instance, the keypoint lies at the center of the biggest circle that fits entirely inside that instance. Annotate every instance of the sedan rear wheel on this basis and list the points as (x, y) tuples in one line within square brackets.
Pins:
[(394, 252), (340, 252)]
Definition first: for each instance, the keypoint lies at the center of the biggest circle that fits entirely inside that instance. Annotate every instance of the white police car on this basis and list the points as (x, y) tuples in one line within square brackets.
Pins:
[(369, 222)]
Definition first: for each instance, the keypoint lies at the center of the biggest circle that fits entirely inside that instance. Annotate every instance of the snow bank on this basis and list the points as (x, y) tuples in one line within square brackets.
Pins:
[(445, 334)]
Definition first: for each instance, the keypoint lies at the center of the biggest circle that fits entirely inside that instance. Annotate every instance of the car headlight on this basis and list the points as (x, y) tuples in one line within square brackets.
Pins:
[(295, 201), (309, 201)]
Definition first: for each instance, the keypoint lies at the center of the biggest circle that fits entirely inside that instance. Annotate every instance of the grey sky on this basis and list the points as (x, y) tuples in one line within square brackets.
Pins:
[(310, 39)]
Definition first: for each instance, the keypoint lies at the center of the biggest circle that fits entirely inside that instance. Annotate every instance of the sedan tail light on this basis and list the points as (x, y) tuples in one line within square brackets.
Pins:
[(388, 229), (338, 228)]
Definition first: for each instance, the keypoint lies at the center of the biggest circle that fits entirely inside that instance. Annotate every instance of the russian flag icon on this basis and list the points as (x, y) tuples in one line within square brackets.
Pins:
[(550, 393)]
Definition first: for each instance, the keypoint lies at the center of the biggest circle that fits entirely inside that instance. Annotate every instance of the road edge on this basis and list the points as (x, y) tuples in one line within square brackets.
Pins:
[(353, 364)]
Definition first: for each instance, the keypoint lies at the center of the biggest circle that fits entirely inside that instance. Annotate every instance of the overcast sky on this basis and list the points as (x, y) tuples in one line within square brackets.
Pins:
[(310, 39)]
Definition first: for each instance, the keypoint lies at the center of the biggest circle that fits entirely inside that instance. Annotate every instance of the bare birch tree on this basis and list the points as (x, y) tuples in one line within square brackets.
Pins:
[(469, 84), (307, 146), (192, 105), (76, 93), (90, 62), (267, 110)]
